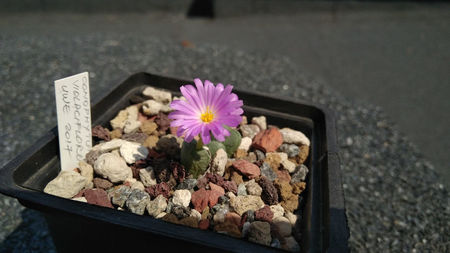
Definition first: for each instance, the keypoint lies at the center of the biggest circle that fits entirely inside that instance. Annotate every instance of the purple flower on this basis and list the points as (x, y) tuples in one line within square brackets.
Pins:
[(207, 108)]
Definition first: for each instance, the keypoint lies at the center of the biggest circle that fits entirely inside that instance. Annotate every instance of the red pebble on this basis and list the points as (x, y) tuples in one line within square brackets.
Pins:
[(264, 214), (97, 197), (200, 199), (268, 140), (203, 224), (247, 168)]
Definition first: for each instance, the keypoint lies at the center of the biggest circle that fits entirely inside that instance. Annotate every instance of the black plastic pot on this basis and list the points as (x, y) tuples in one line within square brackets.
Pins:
[(80, 227)]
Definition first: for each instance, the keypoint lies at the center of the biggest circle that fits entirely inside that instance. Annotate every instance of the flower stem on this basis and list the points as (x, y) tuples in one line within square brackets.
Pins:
[(200, 143)]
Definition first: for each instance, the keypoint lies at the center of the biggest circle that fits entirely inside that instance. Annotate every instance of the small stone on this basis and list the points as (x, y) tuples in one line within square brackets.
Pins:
[(236, 177), (120, 195), (260, 122), (283, 175), (246, 168), (291, 217), (102, 183), (147, 176), (151, 107), (169, 144), (189, 221), (264, 214), (110, 145), (253, 188), (97, 197), (249, 130), (268, 140), (259, 232), (268, 172), (250, 214), (200, 199), (182, 197), (303, 155), (229, 186), (290, 244), (215, 192), (277, 210), (291, 150), (203, 224), (137, 185), (244, 121), (92, 156), (246, 142), (241, 191), (228, 228), (283, 226), (151, 141), (81, 199), (164, 97), (86, 171), (275, 243), (132, 152), (137, 201), (101, 133), (119, 120), (205, 213), (233, 218), (299, 174), (161, 215), (132, 123), (251, 157), (112, 167), (273, 159), (269, 192), (178, 171), (66, 185), (116, 133), (289, 200), (170, 217), (298, 188), (240, 154), (245, 228), (180, 211), (220, 213), (294, 137), (242, 204), (187, 184), (219, 162), (160, 189), (288, 165), (196, 215), (135, 137), (163, 121), (259, 155), (148, 127)]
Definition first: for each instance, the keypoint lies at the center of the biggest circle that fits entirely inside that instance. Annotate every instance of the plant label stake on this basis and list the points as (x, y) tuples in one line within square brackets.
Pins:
[(73, 109)]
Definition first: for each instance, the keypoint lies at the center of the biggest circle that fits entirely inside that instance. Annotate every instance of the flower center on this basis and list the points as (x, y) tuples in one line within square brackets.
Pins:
[(207, 116)]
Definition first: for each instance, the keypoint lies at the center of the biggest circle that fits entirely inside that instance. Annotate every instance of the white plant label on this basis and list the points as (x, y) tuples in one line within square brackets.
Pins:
[(73, 109)]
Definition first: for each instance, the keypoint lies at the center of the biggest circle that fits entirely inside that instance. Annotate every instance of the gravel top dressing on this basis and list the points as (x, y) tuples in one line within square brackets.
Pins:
[(394, 200)]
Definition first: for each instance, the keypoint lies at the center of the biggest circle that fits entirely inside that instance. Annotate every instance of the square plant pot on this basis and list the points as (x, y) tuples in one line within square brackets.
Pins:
[(80, 227)]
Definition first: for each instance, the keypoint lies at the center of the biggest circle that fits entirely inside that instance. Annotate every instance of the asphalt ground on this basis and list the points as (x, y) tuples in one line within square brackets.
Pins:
[(392, 191)]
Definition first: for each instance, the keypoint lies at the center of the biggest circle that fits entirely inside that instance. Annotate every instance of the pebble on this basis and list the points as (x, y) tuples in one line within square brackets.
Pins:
[(180, 212), (161, 96), (242, 204), (291, 150), (120, 195), (228, 228), (182, 197), (160, 189), (132, 123), (137, 201), (282, 225), (81, 199), (288, 165), (249, 130), (303, 155), (112, 167), (219, 162), (203, 224), (245, 229), (269, 192), (259, 232), (151, 141), (187, 184), (275, 243), (253, 188), (246, 142), (147, 176), (291, 217), (119, 120), (98, 197), (300, 174), (135, 137), (294, 137), (132, 152), (149, 127), (66, 185), (134, 184), (268, 172), (273, 159), (246, 168), (152, 107), (197, 215), (260, 122), (264, 214), (289, 200), (268, 140), (241, 191), (102, 183), (278, 210), (259, 155), (86, 171), (110, 145)]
